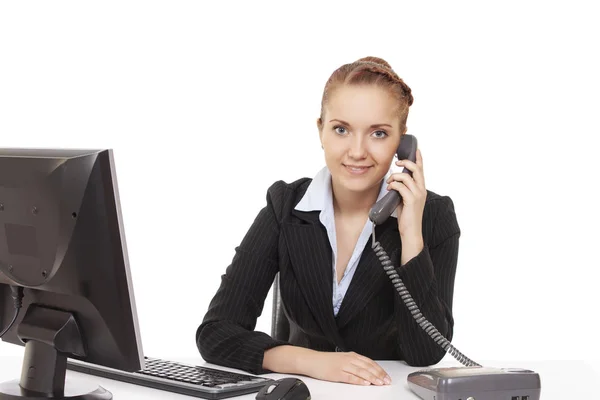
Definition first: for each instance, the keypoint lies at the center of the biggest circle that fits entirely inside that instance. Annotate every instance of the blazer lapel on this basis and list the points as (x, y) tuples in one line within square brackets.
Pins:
[(311, 259), (370, 275)]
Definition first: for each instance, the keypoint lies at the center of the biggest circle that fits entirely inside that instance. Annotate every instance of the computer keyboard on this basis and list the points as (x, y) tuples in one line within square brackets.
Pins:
[(191, 380)]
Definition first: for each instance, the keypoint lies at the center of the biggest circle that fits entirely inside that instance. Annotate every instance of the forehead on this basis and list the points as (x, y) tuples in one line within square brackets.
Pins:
[(370, 103)]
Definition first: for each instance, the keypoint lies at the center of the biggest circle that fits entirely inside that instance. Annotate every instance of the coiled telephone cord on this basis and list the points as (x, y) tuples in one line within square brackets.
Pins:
[(414, 310)]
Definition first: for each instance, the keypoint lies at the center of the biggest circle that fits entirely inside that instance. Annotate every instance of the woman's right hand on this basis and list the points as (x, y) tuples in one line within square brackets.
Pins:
[(345, 367)]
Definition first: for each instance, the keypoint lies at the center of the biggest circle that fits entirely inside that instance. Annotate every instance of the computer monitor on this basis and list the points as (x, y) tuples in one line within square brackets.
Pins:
[(62, 245)]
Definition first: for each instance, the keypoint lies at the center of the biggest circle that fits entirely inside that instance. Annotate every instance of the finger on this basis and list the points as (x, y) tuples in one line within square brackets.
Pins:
[(419, 158), (409, 165), (406, 179), (368, 360), (399, 208), (353, 379), (417, 171), (363, 372), (406, 194), (420, 165), (374, 368)]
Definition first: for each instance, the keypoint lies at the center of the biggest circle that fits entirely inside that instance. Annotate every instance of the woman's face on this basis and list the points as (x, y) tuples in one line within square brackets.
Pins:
[(360, 133)]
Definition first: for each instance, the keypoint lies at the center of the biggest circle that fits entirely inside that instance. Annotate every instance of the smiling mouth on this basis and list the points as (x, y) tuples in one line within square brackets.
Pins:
[(357, 169)]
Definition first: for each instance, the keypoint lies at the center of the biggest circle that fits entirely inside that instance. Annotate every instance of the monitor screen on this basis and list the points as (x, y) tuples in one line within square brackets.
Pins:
[(63, 258)]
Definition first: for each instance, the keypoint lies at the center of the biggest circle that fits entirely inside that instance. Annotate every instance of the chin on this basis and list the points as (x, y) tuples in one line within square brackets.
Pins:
[(362, 184)]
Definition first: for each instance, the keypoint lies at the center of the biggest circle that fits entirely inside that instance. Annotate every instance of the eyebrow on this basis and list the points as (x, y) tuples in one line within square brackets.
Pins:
[(372, 126)]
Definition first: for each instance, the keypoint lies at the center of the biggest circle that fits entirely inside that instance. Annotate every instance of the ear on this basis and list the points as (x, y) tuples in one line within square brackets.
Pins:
[(320, 129)]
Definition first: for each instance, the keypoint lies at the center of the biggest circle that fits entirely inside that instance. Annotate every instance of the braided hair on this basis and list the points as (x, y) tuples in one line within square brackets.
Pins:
[(371, 70)]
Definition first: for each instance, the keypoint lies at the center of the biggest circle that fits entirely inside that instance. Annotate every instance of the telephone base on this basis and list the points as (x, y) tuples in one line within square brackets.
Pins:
[(477, 383)]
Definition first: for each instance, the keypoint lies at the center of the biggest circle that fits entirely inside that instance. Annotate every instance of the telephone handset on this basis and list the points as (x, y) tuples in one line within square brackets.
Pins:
[(386, 206), (473, 380)]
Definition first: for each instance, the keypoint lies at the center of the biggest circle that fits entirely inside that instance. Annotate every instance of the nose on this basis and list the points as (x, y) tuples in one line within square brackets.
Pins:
[(358, 148)]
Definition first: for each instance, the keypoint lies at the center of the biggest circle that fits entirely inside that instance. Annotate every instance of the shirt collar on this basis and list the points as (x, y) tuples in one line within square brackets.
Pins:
[(318, 196)]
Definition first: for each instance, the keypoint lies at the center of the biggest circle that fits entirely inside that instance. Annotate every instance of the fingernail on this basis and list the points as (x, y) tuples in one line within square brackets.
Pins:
[(366, 382), (379, 382), (387, 380)]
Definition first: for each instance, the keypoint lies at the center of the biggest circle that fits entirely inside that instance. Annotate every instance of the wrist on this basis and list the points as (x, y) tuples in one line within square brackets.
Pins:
[(412, 230), (304, 360), (412, 238), (289, 359), (411, 247)]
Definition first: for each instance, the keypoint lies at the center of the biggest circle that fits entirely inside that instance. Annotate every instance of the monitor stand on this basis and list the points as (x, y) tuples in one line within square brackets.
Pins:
[(50, 336)]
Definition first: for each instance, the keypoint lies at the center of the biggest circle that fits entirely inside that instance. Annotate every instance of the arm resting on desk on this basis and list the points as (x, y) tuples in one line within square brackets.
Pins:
[(226, 335)]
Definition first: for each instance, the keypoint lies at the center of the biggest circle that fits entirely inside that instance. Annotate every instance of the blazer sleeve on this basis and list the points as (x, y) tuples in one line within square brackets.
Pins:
[(429, 277), (226, 336)]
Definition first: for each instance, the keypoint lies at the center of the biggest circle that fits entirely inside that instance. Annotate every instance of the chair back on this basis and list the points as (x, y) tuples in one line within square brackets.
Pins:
[(280, 327)]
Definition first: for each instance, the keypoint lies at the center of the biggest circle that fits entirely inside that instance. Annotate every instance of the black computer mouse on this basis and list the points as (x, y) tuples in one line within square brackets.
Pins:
[(284, 389)]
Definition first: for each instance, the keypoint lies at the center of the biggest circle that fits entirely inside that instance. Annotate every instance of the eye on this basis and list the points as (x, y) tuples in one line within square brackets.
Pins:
[(340, 130), (380, 134)]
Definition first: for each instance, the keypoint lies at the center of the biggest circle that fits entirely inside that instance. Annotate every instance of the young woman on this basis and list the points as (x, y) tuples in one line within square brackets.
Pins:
[(342, 308)]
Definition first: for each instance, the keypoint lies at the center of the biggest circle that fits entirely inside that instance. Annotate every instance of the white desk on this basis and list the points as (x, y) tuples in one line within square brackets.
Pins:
[(560, 381)]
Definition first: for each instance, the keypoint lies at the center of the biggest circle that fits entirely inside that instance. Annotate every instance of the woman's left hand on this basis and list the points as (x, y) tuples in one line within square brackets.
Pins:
[(413, 192)]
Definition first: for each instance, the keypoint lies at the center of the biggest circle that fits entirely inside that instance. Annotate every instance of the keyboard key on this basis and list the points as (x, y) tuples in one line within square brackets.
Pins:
[(191, 380)]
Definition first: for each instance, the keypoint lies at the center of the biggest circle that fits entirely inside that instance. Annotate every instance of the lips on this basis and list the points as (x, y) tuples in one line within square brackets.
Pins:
[(357, 169)]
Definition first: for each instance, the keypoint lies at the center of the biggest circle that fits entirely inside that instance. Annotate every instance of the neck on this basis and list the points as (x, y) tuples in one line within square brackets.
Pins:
[(351, 203)]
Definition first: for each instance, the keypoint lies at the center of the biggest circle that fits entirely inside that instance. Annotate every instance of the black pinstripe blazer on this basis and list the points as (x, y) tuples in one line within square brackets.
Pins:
[(372, 321)]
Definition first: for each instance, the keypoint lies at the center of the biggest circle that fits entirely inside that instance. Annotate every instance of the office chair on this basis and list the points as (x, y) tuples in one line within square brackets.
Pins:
[(280, 326)]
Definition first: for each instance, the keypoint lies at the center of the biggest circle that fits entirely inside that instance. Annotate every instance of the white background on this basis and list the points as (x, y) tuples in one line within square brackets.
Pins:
[(206, 104)]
